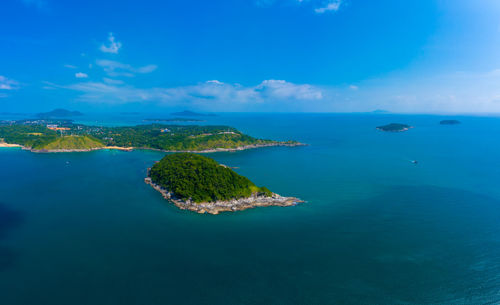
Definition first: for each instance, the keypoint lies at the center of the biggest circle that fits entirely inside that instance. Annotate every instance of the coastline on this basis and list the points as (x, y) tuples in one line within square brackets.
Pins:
[(217, 207), (240, 148), (5, 145)]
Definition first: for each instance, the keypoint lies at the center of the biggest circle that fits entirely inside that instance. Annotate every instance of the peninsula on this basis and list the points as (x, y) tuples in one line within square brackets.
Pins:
[(394, 127), (41, 135), (197, 183)]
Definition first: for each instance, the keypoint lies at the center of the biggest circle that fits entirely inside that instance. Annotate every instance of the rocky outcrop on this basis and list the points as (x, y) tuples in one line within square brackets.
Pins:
[(225, 206)]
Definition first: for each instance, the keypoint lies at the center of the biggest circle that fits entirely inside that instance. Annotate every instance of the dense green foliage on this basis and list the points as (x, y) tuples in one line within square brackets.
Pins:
[(27, 135), (176, 138), (35, 134), (72, 142), (201, 179), (394, 127)]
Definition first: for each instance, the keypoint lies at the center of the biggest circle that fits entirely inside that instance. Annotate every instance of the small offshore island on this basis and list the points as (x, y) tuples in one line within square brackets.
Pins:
[(200, 184), (44, 135), (394, 127), (450, 122)]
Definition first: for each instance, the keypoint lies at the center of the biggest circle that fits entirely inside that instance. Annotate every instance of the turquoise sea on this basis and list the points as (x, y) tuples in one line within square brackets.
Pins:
[(83, 228)]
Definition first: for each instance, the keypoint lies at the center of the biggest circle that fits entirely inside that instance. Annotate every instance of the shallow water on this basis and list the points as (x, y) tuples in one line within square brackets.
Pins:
[(83, 228)]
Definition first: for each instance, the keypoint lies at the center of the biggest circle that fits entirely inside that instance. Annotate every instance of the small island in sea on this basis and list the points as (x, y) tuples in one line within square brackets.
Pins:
[(450, 122), (41, 135), (394, 127), (178, 120), (200, 184), (59, 113)]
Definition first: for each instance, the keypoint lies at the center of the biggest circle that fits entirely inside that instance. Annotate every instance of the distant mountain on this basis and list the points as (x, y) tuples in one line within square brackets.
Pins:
[(191, 113), (449, 122), (380, 111), (59, 113)]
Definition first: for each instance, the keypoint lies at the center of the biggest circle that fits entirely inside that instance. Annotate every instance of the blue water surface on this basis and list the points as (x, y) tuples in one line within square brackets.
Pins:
[(83, 228)]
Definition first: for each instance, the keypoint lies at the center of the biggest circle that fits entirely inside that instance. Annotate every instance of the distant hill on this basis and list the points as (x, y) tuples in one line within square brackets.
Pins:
[(450, 122), (72, 143), (191, 113), (59, 113), (380, 111)]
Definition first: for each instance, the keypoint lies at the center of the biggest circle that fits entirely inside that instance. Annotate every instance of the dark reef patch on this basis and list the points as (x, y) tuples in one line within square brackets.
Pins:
[(9, 219)]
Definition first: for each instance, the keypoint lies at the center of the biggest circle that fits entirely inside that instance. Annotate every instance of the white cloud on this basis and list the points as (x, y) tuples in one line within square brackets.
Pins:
[(115, 68), (146, 69), (353, 87), (113, 46), (461, 92), (112, 81), (213, 92), (281, 89), (8, 84), (215, 82), (81, 75), (332, 6), (70, 66), (320, 6)]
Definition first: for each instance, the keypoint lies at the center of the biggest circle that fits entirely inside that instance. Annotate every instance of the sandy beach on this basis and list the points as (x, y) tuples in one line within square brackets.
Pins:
[(3, 144)]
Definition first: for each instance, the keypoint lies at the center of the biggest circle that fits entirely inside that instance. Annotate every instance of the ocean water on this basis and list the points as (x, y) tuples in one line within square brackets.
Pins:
[(83, 228)]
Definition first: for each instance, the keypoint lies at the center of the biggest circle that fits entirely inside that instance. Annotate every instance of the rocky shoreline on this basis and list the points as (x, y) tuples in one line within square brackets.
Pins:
[(240, 148), (245, 147), (225, 206), (78, 150)]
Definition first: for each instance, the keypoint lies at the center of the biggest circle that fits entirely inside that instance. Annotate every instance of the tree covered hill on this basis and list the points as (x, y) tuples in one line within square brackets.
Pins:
[(27, 135), (40, 133), (201, 179), (71, 143)]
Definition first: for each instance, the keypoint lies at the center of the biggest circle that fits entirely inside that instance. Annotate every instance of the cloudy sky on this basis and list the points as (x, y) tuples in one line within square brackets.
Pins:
[(440, 56)]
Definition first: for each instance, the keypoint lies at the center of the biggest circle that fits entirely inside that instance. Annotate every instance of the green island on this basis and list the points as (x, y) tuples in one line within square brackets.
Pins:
[(198, 183), (450, 122), (394, 127), (41, 135)]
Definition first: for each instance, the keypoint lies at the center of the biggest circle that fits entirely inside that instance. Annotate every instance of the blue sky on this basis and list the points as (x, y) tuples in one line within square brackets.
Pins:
[(251, 55)]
